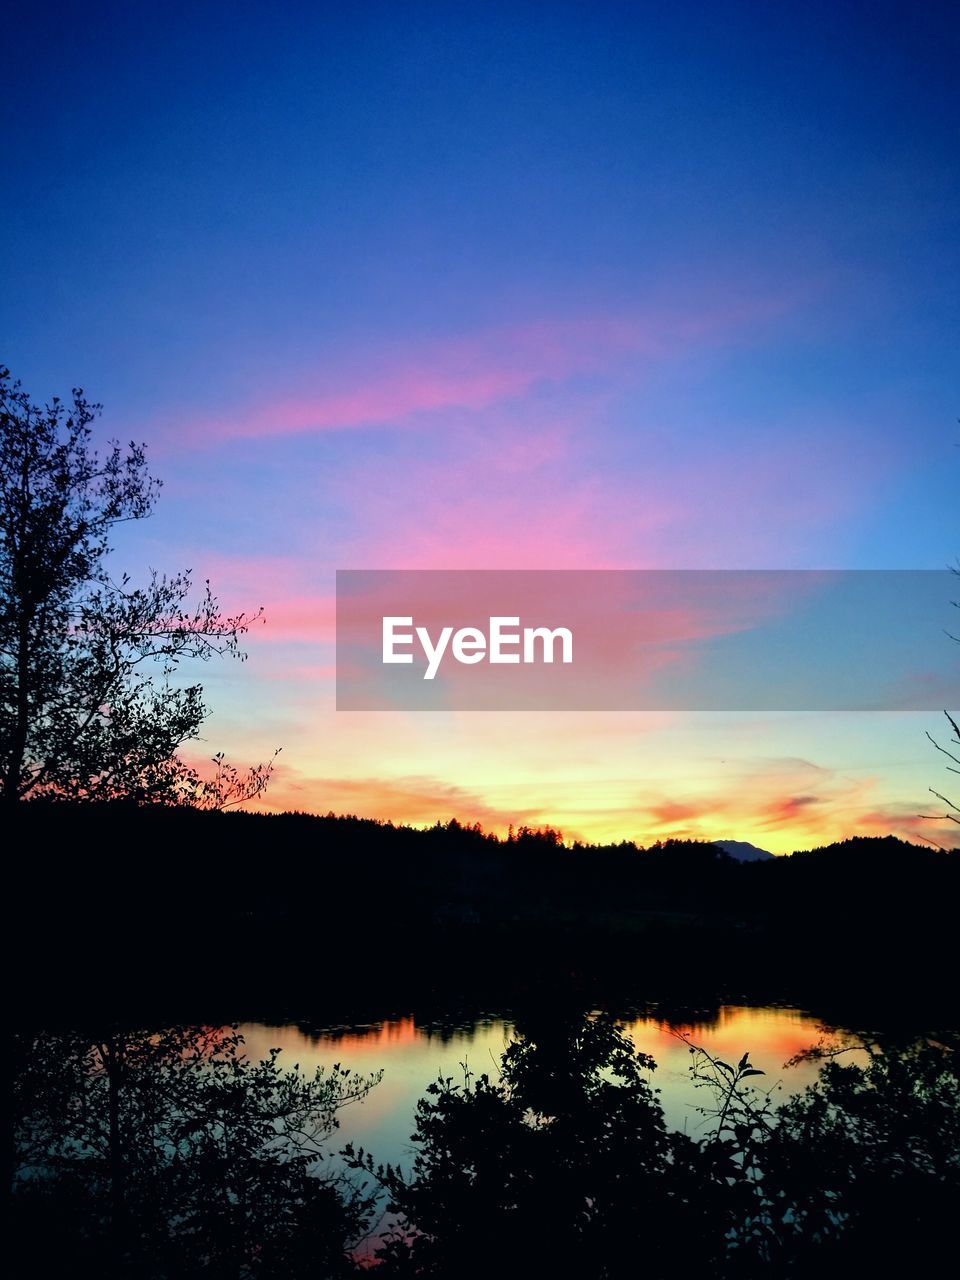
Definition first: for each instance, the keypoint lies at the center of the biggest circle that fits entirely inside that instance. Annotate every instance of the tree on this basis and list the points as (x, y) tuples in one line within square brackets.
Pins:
[(952, 813), (860, 1173), (562, 1166), (88, 708), (169, 1153)]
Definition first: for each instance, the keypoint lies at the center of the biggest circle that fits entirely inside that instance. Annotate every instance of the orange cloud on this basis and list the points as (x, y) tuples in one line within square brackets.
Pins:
[(414, 800)]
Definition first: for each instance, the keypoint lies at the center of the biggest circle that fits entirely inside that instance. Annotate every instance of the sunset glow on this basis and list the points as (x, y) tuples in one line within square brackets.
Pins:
[(630, 305)]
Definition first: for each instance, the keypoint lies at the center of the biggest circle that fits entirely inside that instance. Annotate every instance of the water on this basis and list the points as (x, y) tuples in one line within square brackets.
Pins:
[(412, 1056)]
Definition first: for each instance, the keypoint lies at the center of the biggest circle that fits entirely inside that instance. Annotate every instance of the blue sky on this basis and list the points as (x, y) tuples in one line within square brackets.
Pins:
[(550, 286)]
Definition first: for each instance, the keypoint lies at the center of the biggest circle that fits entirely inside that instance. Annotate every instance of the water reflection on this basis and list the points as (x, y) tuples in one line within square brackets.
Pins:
[(413, 1054)]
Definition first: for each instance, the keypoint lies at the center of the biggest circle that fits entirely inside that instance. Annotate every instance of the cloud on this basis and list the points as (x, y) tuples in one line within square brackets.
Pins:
[(416, 800), (785, 805), (281, 585), (399, 384)]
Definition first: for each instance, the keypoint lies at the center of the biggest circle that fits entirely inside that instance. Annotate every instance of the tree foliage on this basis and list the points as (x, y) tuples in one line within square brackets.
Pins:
[(171, 1154), (88, 704), (564, 1166)]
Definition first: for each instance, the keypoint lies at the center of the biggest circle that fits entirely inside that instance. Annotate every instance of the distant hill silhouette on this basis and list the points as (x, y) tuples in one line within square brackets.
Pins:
[(871, 852), (743, 851)]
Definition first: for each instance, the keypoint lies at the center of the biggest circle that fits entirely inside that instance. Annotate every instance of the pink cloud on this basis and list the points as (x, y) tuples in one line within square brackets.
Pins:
[(280, 585), (539, 487), (303, 617), (398, 385)]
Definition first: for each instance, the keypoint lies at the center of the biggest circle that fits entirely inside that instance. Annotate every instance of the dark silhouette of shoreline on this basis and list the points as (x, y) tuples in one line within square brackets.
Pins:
[(326, 919)]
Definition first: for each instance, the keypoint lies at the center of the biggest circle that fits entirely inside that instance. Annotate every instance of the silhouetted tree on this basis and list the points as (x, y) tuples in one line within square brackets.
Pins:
[(88, 709), (171, 1154), (562, 1166), (860, 1172), (952, 813)]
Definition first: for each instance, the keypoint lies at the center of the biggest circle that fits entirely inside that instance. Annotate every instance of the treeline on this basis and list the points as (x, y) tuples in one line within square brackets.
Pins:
[(247, 908)]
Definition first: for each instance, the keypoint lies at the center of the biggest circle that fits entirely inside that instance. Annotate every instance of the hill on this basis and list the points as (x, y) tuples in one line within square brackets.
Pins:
[(253, 912), (743, 851)]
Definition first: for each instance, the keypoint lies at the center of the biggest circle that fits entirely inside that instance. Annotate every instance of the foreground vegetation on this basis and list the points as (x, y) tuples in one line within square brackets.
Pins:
[(171, 1155)]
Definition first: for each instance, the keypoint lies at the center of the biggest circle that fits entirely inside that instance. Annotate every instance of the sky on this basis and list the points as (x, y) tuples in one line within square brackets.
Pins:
[(523, 286)]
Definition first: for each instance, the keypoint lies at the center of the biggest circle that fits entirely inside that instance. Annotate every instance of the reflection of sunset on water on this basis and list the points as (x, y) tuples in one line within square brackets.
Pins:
[(773, 1033), (362, 1040), (413, 1056)]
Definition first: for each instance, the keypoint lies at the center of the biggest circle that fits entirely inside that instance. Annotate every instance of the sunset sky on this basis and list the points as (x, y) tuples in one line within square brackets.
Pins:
[(530, 286)]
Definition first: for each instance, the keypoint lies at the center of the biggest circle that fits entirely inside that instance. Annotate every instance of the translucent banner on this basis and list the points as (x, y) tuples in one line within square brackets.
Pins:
[(647, 640)]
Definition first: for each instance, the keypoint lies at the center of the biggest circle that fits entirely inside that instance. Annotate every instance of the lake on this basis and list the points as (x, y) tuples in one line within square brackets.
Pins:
[(412, 1055)]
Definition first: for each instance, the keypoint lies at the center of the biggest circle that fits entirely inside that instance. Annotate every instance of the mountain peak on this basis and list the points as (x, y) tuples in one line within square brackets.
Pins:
[(742, 850)]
